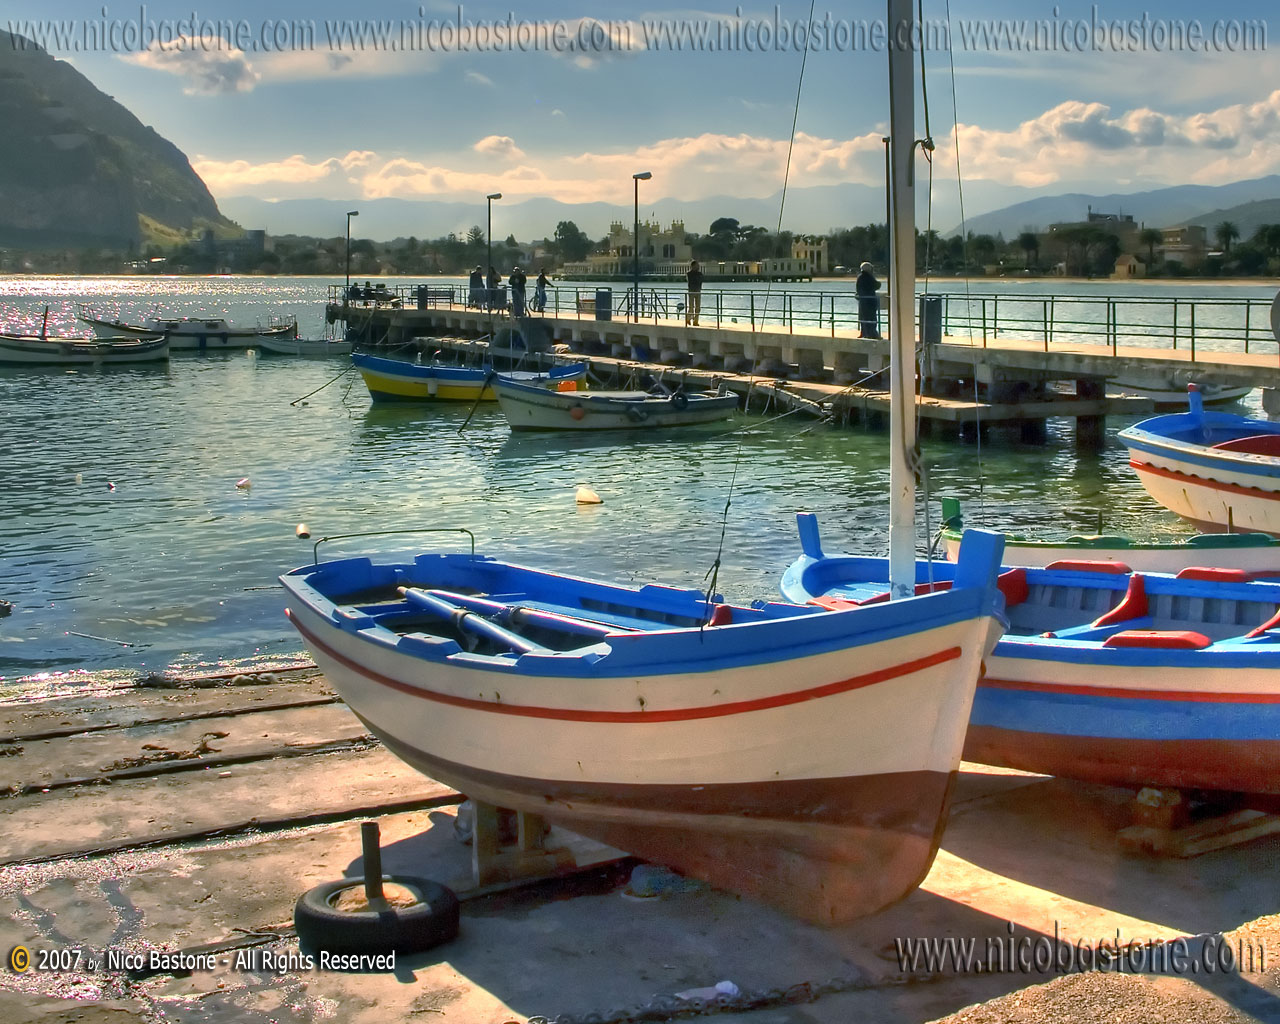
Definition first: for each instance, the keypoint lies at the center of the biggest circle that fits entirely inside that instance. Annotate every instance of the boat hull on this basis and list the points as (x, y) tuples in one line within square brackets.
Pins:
[(1168, 393), (1260, 560), (1194, 703), (195, 335), (304, 348), (536, 409), (18, 350), (396, 380), (758, 764)]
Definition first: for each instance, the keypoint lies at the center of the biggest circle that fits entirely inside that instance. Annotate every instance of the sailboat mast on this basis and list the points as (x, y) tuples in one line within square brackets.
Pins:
[(902, 324)]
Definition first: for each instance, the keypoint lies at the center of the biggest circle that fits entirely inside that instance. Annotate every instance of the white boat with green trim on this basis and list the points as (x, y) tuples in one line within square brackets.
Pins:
[(1256, 554)]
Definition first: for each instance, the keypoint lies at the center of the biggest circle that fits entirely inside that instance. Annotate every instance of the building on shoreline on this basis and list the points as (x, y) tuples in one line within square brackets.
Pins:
[(665, 256)]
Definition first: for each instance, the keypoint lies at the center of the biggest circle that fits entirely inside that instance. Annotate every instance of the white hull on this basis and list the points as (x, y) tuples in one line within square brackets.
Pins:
[(1217, 498), (16, 350), (304, 348), (527, 409), (1170, 393), (1171, 558), (194, 335)]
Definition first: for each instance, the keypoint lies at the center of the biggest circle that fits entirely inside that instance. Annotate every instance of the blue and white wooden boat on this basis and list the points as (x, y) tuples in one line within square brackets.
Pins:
[(1254, 553), (529, 407), (1217, 469), (1122, 678), (800, 756), (399, 380)]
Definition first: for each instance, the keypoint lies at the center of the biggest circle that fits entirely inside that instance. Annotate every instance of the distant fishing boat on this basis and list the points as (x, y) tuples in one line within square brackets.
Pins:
[(1252, 553), (33, 350), (1219, 470), (528, 407), (213, 334), (1167, 392), (398, 380), (321, 348)]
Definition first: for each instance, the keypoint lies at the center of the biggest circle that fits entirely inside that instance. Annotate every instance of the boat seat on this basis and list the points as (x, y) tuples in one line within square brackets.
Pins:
[(1132, 606), (1271, 623), (1254, 444), (1216, 575), (1169, 639), (1089, 565)]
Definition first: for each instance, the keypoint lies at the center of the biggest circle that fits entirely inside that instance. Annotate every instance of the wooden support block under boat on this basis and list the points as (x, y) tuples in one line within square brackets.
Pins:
[(1164, 826)]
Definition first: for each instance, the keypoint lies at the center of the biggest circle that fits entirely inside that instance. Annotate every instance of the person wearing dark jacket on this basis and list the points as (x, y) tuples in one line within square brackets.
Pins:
[(693, 282), (517, 281), (868, 302)]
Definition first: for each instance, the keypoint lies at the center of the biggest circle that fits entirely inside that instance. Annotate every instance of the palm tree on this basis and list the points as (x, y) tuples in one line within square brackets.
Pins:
[(1226, 233), (1151, 237), (1029, 244)]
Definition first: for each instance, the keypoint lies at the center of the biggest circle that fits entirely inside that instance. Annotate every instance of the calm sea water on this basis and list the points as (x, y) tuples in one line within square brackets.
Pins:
[(121, 520)]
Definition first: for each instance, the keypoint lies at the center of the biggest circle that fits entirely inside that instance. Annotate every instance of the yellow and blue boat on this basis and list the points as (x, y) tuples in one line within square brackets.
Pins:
[(398, 380)]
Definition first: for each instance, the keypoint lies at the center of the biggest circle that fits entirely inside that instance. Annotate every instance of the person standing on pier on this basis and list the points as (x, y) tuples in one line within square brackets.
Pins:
[(475, 286), (517, 280), (492, 283), (540, 292), (868, 302), (693, 281)]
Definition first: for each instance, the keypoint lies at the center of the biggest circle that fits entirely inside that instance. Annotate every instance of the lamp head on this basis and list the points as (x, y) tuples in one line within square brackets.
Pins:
[(353, 213), (643, 176), (494, 195)]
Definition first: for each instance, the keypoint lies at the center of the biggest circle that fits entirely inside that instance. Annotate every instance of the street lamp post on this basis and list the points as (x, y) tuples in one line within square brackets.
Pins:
[(635, 247), (488, 236), (347, 293)]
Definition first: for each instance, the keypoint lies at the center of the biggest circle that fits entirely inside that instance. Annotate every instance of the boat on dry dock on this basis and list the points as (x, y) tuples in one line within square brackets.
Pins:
[(800, 756)]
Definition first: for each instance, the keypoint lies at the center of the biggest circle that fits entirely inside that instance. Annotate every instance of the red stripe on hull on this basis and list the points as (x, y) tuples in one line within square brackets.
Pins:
[(1242, 766), (824, 850), (1197, 697), (1200, 481), (633, 717)]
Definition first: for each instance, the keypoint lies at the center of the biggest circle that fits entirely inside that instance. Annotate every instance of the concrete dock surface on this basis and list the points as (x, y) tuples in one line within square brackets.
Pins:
[(190, 816)]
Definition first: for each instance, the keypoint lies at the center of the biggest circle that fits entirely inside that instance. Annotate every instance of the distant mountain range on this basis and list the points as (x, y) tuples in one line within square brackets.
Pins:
[(77, 169), (817, 209), (1158, 208)]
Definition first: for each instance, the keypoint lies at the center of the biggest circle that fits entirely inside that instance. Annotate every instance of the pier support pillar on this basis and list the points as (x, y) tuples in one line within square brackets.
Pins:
[(1271, 402), (1091, 430)]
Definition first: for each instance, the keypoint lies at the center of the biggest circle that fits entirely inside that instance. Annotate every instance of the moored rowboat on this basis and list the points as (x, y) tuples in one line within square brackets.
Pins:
[(29, 350), (534, 408), (398, 380)]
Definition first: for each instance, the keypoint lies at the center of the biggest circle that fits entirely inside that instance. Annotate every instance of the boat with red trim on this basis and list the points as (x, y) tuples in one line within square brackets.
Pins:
[(800, 756), (1106, 674), (1219, 470), (198, 334)]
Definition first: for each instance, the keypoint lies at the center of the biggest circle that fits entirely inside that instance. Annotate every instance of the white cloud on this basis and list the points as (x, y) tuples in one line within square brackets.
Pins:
[(206, 71), (1077, 140), (478, 79), (235, 177), (502, 146)]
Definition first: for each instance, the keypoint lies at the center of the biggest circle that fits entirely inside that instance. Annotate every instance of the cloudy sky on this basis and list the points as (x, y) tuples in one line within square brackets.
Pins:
[(569, 107)]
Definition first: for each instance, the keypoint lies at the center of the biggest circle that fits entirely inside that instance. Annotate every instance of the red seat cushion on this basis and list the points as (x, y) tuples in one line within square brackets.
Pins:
[(1172, 639)]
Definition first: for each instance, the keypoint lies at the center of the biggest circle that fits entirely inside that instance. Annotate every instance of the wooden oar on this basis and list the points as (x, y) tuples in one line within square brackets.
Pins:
[(467, 621)]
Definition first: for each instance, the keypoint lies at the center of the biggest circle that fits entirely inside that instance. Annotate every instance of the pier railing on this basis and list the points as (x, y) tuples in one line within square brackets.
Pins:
[(1216, 323)]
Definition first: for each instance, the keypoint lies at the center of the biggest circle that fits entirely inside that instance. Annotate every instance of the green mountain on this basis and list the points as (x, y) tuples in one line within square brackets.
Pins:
[(78, 169)]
